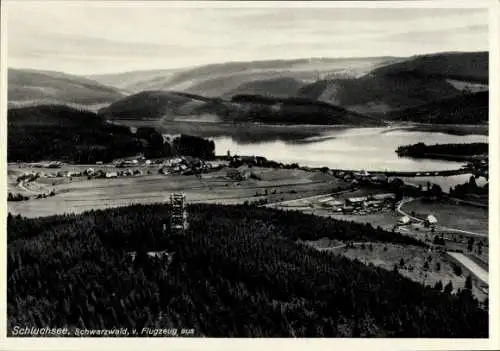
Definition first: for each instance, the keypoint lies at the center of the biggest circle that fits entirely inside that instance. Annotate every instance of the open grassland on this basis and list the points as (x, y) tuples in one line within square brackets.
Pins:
[(439, 267), (462, 217), (83, 194)]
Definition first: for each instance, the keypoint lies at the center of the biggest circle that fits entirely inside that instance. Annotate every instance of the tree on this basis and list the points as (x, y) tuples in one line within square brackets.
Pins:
[(438, 266), (401, 262), (470, 244), (448, 288), (426, 265), (468, 282), (438, 286), (457, 269)]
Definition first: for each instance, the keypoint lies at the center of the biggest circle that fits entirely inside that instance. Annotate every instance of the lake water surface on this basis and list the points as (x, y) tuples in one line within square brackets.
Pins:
[(356, 149)]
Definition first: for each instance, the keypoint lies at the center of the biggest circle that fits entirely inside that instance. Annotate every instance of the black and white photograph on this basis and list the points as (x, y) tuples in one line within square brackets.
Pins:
[(248, 170)]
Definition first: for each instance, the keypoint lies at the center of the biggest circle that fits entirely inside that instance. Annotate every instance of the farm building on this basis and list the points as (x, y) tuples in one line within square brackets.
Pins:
[(430, 220), (111, 175)]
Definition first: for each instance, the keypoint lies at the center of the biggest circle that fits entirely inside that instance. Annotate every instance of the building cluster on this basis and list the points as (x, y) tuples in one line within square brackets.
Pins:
[(357, 177), (361, 204), (429, 221), (186, 165)]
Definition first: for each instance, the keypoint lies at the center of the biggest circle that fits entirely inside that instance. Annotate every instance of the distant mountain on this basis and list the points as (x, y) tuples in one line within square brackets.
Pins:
[(462, 109), (220, 79), (403, 84), (135, 81), (31, 87)]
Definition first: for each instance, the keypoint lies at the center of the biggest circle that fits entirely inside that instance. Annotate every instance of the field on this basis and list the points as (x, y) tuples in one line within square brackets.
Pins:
[(82, 194), (414, 258), (462, 217)]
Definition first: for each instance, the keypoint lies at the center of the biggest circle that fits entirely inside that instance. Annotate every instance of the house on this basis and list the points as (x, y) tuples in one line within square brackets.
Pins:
[(404, 220), (385, 197), (430, 220), (361, 175), (356, 201), (379, 178), (374, 203), (332, 203), (347, 209)]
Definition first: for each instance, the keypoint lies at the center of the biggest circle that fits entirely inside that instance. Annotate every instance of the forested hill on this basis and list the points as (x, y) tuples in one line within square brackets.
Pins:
[(53, 132), (156, 105), (237, 272), (52, 115)]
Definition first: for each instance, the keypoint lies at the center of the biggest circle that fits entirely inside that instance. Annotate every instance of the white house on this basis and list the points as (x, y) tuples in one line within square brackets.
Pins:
[(404, 220), (430, 220)]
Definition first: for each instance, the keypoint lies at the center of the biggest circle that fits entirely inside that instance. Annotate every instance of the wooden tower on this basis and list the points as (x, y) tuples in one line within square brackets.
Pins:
[(178, 217)]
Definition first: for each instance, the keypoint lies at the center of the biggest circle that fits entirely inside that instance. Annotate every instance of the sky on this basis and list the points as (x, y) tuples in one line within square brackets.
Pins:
[(95, 37)]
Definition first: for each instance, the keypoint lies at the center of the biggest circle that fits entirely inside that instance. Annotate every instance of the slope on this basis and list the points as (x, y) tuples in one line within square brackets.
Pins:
[(403, 84), (277, 87), (237, 272), (31, 87), (462, 109)]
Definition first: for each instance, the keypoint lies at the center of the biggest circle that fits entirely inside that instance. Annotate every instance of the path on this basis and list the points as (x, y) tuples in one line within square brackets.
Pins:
[(472, 266), (400, 211)]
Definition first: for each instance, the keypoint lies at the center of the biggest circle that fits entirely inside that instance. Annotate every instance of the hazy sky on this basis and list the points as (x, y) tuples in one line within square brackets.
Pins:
[(109, 36)]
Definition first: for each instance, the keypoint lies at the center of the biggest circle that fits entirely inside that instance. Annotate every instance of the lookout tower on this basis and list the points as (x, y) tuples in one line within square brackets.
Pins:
[(178, 217)]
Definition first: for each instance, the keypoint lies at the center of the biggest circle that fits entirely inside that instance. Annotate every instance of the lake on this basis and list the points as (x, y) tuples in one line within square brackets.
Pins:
[(355, 148)]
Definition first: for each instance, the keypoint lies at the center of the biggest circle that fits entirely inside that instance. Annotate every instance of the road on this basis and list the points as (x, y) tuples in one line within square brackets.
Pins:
[(479, 272), (400, 211)]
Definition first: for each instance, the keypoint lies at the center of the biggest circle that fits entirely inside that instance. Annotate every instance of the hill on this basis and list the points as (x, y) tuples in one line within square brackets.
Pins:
[(237, 272), (169, 106), (30, 87), (153, 104), (52, 132), (462, 109), (407, 83)]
